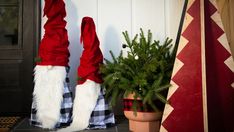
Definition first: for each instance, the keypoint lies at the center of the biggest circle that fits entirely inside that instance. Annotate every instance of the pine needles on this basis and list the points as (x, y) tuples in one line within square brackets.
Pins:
[(146, 71)]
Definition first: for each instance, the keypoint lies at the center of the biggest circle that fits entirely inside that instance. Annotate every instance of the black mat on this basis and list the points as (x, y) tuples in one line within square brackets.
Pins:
[(6, 123)]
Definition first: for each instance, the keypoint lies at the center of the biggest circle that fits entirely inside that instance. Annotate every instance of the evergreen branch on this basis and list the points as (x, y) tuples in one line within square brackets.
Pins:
[(107, 61), (126, 36), (162, 88), (115, 95), (149, 38), (150, 102), (161, 98), (148, 97), (113, 57), (158, 82), (133, 44), (127, 67)]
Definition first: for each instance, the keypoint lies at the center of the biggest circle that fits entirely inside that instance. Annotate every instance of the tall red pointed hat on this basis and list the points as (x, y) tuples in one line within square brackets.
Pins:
[(92, 56), (53, 49)]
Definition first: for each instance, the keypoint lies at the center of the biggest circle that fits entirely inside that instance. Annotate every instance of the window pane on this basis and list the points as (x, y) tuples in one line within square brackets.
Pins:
[(8, 26), (8, 1)]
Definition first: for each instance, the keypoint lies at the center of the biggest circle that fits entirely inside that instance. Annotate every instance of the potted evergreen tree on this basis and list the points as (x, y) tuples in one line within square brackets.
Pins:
[(142, 78)]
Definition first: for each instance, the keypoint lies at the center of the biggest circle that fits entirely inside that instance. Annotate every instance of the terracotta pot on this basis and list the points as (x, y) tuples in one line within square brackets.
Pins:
[(143, 121)]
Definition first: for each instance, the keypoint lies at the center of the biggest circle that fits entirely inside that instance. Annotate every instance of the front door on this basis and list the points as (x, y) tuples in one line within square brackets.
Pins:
[(18, 42)]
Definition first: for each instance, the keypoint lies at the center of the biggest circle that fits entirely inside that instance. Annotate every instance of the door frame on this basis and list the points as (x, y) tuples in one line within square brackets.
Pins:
[(31, 29)]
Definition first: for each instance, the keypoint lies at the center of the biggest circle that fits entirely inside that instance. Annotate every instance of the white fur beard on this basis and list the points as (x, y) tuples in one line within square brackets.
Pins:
[(48, 93), (84, 103)]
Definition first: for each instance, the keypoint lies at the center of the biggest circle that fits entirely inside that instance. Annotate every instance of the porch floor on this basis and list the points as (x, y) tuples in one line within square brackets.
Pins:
[(121, 126)]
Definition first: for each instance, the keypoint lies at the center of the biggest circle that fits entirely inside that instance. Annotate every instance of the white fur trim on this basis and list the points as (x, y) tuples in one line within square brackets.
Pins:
[(84, 103), (48, 93)]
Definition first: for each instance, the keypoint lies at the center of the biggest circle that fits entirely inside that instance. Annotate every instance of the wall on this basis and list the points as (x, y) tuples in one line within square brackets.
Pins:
[(173, 15)]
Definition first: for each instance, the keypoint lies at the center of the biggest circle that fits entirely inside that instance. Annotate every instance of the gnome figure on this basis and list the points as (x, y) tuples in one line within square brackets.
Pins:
[(50, 72), (90, 109), (88, 87)]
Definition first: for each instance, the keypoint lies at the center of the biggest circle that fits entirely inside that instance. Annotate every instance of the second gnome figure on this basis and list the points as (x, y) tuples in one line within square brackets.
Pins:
[(90, 109)]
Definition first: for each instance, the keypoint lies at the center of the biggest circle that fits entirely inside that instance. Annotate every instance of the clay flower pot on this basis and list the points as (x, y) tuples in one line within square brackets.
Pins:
[(143, 121)]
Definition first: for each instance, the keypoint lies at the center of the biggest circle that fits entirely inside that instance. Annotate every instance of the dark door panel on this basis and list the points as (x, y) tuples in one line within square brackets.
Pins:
[(11, 54), (11, 91), (19, 33)]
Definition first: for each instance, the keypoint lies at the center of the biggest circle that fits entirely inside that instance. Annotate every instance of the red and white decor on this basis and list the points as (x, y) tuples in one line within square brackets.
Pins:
[(202, 93)]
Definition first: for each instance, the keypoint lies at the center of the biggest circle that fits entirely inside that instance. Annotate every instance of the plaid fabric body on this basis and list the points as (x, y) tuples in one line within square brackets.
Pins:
[(65, 111), (102, 117)]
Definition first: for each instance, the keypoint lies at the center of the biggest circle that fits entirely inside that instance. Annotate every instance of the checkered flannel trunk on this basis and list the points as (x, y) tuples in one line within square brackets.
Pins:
[(65, 111), (102, 117)]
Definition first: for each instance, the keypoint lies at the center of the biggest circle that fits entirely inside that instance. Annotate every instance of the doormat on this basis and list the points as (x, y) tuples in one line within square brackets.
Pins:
[(6, 123)]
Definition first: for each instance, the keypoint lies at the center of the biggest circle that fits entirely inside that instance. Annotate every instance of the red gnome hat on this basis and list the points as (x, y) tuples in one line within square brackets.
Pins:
[(53, 49), (92, 56)]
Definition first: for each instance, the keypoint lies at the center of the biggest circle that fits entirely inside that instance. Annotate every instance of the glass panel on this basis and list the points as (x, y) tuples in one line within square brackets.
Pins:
[(8, 25), (8, 1)]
